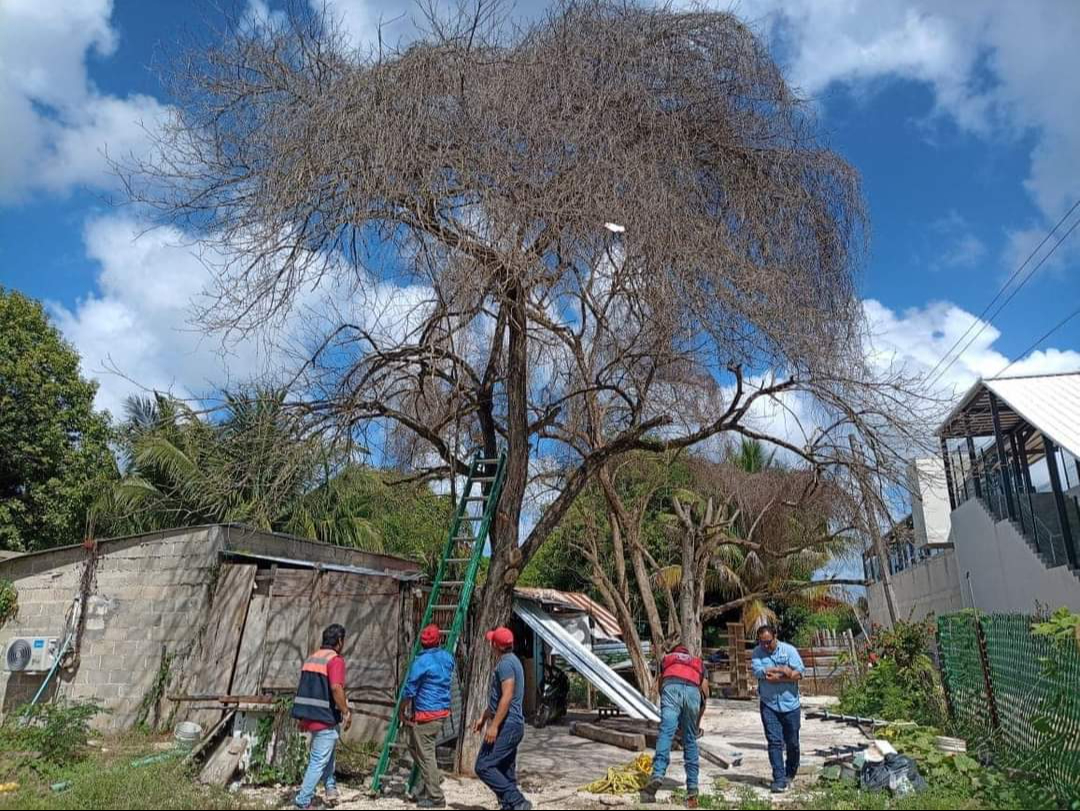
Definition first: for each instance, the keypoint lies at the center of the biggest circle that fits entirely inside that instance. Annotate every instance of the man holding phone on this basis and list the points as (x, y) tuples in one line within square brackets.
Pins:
[(779, 669)]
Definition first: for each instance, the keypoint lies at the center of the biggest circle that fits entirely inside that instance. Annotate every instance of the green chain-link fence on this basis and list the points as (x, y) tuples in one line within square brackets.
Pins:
[(1015, 695)]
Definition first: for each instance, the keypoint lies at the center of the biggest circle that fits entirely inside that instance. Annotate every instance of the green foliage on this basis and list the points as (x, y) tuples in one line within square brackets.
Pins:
[(1057, 713), (799, 621), (9, 601), (356, 759), (49, 734), (256, 464), (290, 752), (148, 715), (936, 766), (1062, 626), (898, 680), (55, 455), (99, 782)]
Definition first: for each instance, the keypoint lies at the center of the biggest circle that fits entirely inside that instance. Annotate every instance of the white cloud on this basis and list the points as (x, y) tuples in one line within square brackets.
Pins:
[(996, 69), (355, 19), (137, 321), (917, 338), (55, 126)]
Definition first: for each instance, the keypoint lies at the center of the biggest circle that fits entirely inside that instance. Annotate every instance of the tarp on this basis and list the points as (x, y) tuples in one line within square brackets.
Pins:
[(585, 662)]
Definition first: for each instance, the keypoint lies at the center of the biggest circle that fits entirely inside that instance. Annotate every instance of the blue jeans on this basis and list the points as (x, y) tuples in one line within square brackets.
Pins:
[(680, 704), (782, 733), (320, 766), (496, 764)]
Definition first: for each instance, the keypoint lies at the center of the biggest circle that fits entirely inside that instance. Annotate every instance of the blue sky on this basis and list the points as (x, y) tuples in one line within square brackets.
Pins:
[(963, 122)]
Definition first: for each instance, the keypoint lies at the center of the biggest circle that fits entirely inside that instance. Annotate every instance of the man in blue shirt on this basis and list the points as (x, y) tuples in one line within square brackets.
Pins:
[(503, 724), (779, 669), (426, 706)]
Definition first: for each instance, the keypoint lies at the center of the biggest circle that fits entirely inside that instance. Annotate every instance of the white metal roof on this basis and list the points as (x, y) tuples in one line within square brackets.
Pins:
[(1050, 403)]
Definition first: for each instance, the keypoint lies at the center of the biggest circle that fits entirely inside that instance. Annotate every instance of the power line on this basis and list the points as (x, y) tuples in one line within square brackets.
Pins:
[(1000, 292), (1032, 348), (987, 323)]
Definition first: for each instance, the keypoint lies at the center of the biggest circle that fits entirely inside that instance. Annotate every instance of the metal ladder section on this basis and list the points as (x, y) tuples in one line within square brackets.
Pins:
[(455, 578)]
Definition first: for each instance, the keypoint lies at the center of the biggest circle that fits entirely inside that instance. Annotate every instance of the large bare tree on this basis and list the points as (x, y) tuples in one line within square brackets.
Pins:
[(611, 229)]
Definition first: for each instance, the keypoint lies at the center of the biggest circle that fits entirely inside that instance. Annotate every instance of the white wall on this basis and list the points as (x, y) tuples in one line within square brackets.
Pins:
[(930, 587), (930, 507), (1006, 574)]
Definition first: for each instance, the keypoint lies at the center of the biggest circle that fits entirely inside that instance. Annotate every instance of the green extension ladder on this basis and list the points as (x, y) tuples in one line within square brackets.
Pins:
[(454, 581)]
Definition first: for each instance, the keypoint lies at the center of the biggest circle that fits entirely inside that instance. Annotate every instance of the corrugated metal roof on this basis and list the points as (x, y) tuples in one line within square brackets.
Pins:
[(575, 599), (327, 567), (1049, 403), (585, 662)]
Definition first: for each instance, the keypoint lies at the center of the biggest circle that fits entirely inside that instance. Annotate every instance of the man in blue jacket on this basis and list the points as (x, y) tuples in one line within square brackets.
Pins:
[(426, 706), (779, 669)]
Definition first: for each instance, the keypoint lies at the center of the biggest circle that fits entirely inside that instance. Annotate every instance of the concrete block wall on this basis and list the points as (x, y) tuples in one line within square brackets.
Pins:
[(147, 592)]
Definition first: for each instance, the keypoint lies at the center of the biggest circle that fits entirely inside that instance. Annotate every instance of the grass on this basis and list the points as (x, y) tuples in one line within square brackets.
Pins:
[(108, 780), (945, 796)]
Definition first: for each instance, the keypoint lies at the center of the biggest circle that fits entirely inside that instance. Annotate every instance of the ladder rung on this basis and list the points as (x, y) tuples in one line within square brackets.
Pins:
[(483, 479), (452, 583), (472, 518), (485, 461), (458, 560), (463, 538), (476, 498), (447, 607)]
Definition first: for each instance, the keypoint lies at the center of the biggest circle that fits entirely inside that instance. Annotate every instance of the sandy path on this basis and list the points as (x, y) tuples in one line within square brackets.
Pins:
[(553, 765)]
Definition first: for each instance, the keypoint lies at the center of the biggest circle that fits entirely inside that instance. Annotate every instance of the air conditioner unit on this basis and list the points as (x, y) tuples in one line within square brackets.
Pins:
[(31, 654)]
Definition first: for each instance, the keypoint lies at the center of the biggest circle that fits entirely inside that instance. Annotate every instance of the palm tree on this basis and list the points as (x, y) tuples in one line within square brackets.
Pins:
[(764, 558), (255, 465)]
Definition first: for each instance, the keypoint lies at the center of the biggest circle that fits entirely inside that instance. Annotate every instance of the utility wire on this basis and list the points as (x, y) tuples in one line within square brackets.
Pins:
[(1035, 345), (1000, 292), (989, 321)]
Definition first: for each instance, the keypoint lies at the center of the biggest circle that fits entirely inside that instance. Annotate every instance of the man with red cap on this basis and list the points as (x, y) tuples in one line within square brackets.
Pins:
[(426, 706), (503, 724)]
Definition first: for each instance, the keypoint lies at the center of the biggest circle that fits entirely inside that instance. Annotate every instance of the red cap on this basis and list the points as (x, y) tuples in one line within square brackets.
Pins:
[(430, 636), (503, 637)]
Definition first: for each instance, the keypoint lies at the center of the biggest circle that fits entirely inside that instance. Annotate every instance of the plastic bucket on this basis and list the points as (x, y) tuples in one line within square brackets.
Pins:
[(187, 734)]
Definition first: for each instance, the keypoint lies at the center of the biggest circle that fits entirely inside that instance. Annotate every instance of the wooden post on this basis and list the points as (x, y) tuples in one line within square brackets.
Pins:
[(873, 529), (740, 679), (984, 661), (813, 669)]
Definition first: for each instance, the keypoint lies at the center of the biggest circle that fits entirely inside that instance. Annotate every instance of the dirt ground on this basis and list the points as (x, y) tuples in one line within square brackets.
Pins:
[(553, 765)]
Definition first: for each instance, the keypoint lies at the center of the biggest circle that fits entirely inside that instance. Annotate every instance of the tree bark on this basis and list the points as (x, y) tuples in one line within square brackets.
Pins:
[(497, 598)]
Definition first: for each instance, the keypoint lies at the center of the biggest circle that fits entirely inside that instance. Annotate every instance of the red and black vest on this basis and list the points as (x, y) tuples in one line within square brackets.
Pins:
[(680, 665), (314, 700)]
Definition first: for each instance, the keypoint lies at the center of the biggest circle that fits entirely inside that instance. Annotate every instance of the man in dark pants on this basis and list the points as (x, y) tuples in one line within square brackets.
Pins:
[(503, 724), (779, 669), (426, 706)]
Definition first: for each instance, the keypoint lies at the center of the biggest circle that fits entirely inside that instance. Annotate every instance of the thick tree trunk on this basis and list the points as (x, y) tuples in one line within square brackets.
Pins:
[(656, 626), (620, 607), (494, 605), (688, 590)]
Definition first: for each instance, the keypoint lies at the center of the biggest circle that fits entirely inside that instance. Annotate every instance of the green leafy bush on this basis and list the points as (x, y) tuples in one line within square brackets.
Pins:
[(896, 679), (49, 734), (9, 602)]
